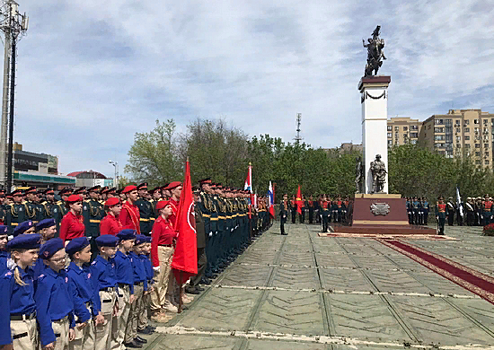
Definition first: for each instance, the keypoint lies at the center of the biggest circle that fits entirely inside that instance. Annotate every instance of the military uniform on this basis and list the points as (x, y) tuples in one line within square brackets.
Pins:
[(450, 211), (93, 211), (441, 212), (16, 212), (283, 215), (60, 209), (146, 211), (194, 287)]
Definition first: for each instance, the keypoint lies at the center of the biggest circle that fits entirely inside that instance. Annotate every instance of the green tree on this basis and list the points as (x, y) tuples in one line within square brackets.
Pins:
[(153, 157)]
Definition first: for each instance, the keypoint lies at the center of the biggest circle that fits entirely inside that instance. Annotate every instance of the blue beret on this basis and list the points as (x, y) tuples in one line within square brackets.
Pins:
[(45, 224), (25, 242), (140, 239), (47, 250), (107, 241), (76, 245), (3, 230), (23, 227), (148, 239), (126, 234)]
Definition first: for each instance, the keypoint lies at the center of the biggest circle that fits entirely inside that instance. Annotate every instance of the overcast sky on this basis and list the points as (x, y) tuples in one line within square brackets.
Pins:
[(92, 73)]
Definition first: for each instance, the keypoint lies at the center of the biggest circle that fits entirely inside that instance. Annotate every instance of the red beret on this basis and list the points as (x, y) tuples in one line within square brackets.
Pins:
[(162, 204), (110, 202), (173, 184), (74, 198), (129, 189)]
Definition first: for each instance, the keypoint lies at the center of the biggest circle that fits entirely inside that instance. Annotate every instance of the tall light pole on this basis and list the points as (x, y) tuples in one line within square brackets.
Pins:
[(14, 25), (115, 165)]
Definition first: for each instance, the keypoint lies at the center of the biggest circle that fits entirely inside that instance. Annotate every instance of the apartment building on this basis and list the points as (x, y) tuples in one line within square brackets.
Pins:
[(403, 130)]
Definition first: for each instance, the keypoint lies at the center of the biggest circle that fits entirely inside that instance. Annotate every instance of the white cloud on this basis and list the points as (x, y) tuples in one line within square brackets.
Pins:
[(92, 74)]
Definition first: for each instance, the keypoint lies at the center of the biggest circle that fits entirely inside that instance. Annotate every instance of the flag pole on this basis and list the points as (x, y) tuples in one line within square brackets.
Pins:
[(180, 302)]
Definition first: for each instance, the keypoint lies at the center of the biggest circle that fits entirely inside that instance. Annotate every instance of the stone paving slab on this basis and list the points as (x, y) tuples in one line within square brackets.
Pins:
[(286, 291)]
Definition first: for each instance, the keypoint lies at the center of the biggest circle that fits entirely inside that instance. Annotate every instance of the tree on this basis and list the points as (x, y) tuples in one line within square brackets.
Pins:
[(153, 156)]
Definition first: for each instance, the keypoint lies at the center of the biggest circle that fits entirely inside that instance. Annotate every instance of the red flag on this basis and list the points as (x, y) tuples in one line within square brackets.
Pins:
[(184, 263), (299, 201)]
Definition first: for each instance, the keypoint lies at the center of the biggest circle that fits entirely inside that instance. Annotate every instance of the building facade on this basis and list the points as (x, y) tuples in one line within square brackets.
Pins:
[(91, 178), (403, 130), (461, 133)]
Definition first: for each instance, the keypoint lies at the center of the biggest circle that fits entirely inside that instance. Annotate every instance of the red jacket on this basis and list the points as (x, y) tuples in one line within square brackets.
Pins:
[(162, 234), (129, 217), (110, 225), (72, 226)]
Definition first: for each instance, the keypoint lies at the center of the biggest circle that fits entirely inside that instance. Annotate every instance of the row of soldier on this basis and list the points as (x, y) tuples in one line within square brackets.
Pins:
[(337, 208), (476, 211), (324, 210)]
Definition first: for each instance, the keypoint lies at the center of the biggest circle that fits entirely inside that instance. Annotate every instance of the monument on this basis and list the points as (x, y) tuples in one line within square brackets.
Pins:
[(374, 210)]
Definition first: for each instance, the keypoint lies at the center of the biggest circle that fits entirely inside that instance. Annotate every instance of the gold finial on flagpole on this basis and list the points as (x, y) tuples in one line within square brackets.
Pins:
[(250, 164)]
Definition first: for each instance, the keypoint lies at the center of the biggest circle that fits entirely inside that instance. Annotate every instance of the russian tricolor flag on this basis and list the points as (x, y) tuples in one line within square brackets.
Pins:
[(271, 200)]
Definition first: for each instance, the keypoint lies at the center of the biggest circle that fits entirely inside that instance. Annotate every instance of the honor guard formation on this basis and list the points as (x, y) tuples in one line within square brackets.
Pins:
[(86, 269), (322, 211)]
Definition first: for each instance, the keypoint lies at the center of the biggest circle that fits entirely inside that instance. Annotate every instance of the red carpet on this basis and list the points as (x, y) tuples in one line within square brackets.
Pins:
[(474, 281)]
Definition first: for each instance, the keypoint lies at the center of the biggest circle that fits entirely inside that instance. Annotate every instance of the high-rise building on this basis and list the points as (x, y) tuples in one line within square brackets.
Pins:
[(464, 132), (403, 130)]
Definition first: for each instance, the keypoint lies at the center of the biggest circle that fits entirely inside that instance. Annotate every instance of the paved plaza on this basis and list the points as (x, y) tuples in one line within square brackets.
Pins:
[(303, 291)]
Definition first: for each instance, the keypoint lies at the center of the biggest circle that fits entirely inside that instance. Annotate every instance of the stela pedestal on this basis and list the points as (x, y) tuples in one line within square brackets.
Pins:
[(374, 101)]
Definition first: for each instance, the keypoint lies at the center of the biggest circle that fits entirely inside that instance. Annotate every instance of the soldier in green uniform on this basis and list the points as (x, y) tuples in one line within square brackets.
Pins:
[(284, 206), (48, 204), (93, 212), (60, 208), (205, 206), (16, 213), (145, 209), (30, 207), (81, 191), (39, 208)]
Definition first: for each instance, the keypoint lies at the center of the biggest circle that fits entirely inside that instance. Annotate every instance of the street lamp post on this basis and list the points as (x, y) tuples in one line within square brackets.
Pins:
[(115, 165)]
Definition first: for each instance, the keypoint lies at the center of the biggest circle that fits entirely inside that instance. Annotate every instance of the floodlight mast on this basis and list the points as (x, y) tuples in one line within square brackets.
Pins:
[(14, 25)]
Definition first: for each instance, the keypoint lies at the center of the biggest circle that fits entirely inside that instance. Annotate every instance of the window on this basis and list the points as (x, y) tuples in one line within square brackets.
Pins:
[(477, 145), (487, 154), (438, 122), (486, 131), (477, 162), (438, 129), (414, 135), (390, 142), (467, 129), (475, 121), (476, 130), (477, 154), (390, 134), (397, 128), (458, 145), (485, 121), (486, 145), (486, 162), (458, 130), (467, 145), (390, 128), (429, 127), (458, 138), (414, 142), (466, 122), (439, 137), (467, 138), (414, 127)]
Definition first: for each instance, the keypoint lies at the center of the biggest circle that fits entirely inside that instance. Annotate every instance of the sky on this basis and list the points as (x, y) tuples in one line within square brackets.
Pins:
[(91, 74)]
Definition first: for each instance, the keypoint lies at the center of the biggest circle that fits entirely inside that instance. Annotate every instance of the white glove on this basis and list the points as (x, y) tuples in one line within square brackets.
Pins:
[(156, 269), (210, 234)]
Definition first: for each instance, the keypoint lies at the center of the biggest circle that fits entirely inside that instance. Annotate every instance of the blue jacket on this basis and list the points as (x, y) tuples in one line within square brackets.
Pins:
[(6, 286), (125, 269), (139, 270), (103, 275), (3, 260), (54, 301), (148, 267), (82, 291), (22, 297)]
